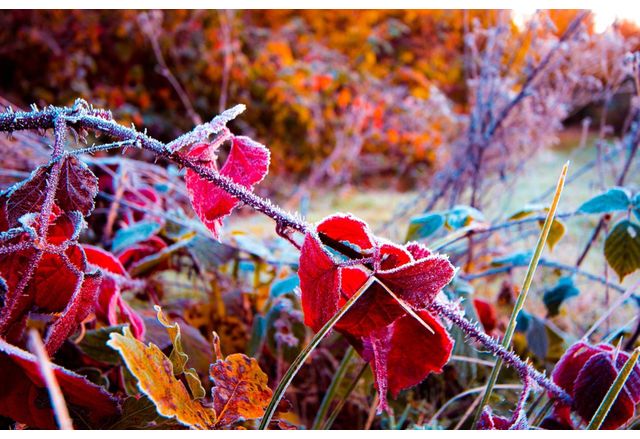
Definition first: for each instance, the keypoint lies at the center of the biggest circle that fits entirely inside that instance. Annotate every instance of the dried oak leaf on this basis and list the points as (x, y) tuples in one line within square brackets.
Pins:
[(156, 379), (24, 397), (240, 391), (247, 164)]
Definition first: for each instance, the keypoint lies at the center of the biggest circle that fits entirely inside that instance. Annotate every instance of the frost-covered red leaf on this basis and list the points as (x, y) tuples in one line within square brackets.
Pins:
[(24, 397), (247, 164), (402, 351), (240, 391), (47, 275), (587, 372), (320, 283), (110, 306), (76, 189)]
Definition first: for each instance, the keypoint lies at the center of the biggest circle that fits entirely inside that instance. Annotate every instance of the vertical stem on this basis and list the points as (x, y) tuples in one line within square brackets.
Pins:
[(331, 391), (336, 411), (508, 335)]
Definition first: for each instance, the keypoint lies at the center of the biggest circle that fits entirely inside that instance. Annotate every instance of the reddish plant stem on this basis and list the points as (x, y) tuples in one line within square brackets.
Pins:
[(509, 358)]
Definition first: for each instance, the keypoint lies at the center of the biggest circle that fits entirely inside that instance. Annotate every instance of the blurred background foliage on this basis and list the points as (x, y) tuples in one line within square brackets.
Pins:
[(392, 80)]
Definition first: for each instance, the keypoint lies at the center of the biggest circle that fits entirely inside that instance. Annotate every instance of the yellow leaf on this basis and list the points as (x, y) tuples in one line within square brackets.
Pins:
[(156, 379)]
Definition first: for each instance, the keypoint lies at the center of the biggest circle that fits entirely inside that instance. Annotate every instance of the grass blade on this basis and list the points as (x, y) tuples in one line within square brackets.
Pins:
[(304, 354), (343, 400), (508, 335), (333, 387), (612, 393)]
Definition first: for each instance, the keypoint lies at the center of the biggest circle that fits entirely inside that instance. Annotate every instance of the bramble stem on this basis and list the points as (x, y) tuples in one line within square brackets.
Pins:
[(509, 357)]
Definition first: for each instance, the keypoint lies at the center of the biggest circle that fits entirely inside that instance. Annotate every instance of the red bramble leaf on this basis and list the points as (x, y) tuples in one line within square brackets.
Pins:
[(402, 351), (109, 300), (77, 187), (486, 314), (587, 372), (247, 164), (24, 397)]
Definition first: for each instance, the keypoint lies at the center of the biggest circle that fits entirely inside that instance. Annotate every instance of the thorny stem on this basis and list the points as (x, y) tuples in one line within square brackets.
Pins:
[(509, 357), (60, 133), (83, 116)]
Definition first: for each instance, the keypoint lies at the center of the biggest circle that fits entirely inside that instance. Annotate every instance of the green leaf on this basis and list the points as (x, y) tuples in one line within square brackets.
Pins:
[(615, 199), (537, 338), (94, 344), (520, 259), (210, 253), (133, 234), (553, 298), (461, 216), (636, 205), (424, 226), (284, 286), (622, 248)]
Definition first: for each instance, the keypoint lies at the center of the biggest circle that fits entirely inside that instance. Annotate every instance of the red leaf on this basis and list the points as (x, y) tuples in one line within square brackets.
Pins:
[(567, 369), (78, 308), (136, 252), (374, 309), (24, 398), (109, 299), (347, 228), (416, 352), (247, 165), (489, 421), (375, 350), (586, 372), (392, 256), (77, 187), (319, 282), (54, 281), (27, 196), (486, 314), (401, 351), (591, 386), (419, 282)]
